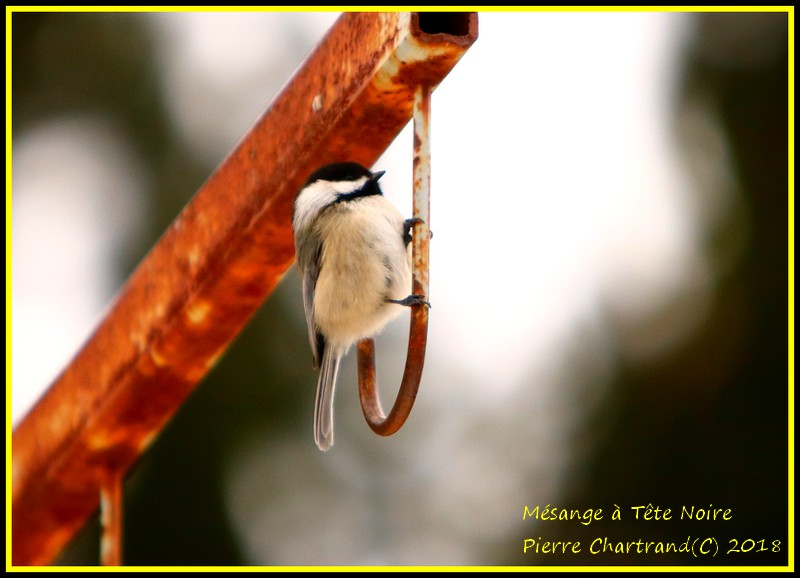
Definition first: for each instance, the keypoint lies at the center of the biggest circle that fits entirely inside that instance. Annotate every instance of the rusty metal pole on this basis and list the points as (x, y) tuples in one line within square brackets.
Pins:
[(214, 266), (111, 508), (418, 332)]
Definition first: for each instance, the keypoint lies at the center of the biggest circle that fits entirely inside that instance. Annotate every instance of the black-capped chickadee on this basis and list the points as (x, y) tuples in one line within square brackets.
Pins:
[(353, 254)]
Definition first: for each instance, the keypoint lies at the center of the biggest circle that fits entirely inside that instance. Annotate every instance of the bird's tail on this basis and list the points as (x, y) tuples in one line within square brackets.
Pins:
[(323, 405)]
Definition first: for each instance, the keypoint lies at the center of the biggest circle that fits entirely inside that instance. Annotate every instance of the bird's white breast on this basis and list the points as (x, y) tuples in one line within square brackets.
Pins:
[(365, 262)]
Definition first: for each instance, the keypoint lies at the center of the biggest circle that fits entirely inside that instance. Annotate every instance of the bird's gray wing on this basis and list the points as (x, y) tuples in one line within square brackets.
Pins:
[(308, 256)]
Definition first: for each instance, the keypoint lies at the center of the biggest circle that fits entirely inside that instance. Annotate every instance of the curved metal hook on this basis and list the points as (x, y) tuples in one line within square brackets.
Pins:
[(418, 333)]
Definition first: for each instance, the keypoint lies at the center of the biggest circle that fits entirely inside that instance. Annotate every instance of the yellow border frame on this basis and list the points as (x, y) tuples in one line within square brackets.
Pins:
[(788, 9)]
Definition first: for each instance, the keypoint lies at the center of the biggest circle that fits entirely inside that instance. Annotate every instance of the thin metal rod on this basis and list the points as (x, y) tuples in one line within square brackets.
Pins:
[(215, 266), (418, 333), (111, 499)]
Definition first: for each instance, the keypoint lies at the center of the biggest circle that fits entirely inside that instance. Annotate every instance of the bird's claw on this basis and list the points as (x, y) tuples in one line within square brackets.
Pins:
[(410, 301)]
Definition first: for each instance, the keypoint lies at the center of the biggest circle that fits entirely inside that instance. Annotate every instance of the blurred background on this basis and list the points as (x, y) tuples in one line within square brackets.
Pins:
[(608, 277)]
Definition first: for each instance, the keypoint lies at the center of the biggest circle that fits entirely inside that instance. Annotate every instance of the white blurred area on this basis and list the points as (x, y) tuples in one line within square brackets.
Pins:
[(560, 202), (219, 69), (67, 174)]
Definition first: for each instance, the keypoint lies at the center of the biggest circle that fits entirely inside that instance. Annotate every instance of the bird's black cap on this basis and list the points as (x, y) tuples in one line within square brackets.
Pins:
[(342, 172)]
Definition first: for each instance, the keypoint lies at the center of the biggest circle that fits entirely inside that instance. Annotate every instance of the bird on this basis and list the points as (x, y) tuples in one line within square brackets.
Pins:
[(353, 255)]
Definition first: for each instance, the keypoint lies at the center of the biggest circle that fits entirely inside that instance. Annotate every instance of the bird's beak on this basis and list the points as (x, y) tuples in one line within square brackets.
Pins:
[(377, 175)]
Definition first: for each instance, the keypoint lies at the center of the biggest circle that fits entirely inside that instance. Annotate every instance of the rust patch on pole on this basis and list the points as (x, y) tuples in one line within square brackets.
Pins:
[(214, 267)]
